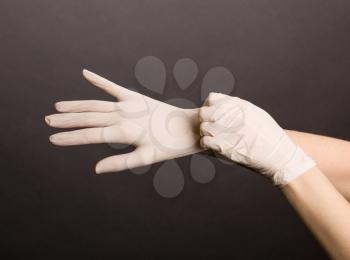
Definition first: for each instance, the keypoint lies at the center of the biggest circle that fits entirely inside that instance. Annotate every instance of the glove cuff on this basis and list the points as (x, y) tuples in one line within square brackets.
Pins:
[(298, 165)]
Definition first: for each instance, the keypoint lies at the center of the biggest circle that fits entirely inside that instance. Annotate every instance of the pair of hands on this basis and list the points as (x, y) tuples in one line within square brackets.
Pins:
[(231, 126)]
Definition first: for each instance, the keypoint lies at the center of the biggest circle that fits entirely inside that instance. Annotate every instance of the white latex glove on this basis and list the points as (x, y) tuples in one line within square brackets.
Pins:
[(158, 131), (248, 135)]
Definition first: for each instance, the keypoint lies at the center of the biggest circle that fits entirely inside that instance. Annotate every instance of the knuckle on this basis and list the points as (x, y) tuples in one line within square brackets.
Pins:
[(212, 96), (203, 126), (203, 141), (202, 112)]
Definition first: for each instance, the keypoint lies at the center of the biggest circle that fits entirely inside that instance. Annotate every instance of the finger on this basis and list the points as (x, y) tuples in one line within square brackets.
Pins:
[(218, 98), (78, 137), (139, 157), (86, 119), (213, 98), (232, 119), (113, 134), (108, 86), (209, 129), (218, 111), (206, 113), (210, 142), (86, 106)]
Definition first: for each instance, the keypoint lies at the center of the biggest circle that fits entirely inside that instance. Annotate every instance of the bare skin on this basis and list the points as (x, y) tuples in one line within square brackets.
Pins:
[(323, 209), (294, 161), (320, 204), (331, 155)]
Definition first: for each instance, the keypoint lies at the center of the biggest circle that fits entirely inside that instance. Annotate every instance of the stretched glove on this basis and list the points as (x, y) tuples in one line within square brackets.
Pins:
[(158, 131), (248, 135)]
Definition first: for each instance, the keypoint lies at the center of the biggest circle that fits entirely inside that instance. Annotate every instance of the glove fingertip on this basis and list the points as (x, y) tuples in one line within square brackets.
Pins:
[(205, 142), (215, 97)]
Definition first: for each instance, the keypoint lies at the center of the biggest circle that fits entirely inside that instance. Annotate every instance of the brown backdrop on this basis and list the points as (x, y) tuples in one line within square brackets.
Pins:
[(290, 57)]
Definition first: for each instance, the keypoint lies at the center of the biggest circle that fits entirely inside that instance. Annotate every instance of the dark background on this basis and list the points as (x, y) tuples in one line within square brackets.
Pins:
[(290, 57)]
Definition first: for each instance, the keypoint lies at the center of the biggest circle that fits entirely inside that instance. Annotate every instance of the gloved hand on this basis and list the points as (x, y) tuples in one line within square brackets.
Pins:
[(248, 135), (158, 131)]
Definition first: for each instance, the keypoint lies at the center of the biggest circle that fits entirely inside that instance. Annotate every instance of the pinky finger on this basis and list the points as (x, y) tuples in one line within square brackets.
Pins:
[(209, 142)]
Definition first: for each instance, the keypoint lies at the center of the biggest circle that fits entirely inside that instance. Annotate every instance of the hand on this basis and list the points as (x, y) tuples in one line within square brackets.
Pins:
[(158, 131), (248, 135)]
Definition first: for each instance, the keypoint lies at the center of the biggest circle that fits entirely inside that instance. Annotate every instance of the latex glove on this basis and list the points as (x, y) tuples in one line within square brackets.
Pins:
[(158, 131), (248, 135)]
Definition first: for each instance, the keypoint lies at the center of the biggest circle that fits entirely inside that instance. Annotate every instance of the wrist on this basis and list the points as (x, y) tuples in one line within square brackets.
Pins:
[(299, 164)]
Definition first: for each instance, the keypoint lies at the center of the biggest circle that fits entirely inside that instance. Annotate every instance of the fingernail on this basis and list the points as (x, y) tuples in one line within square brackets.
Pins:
[(86, 71), (47, 120), (58, 106), (52, 138), (98, 169)]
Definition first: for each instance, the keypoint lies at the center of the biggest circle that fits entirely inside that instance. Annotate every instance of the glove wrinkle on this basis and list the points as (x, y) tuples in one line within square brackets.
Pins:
[(248, 135)]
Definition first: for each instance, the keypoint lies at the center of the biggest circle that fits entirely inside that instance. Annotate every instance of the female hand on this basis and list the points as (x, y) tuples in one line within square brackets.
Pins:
[(158, 131)]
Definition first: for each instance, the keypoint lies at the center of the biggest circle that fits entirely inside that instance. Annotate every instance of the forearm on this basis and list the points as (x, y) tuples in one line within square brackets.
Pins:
[(331, 155), (323, 210), (248, 135)]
